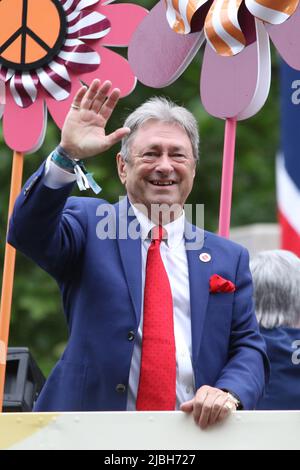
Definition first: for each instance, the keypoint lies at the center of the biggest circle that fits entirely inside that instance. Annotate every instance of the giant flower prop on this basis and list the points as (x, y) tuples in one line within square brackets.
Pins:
[(236, 69), (46, 47)]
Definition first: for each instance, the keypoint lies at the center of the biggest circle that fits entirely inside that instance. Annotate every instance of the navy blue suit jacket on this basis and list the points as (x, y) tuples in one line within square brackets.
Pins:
[(283, 389), (100, 283)]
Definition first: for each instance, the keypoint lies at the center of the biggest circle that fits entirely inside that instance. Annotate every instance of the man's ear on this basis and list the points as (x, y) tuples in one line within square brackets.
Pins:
[(122, 169)]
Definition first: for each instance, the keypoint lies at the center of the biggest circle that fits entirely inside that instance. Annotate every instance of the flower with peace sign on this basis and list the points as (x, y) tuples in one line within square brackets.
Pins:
[(46, 46)]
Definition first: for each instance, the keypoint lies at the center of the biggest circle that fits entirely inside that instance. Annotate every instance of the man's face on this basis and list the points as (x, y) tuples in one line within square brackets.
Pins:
[(161, 166)]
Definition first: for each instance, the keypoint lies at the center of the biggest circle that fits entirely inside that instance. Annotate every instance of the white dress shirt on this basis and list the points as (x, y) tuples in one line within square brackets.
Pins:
[(175, 261), (173, 254)]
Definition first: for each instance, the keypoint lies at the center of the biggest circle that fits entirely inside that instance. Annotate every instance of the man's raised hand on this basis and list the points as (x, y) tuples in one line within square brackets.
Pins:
[(83, 133)]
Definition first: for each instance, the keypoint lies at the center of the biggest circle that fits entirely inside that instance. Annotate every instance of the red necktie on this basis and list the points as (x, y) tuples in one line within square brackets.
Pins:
[(157, 385)]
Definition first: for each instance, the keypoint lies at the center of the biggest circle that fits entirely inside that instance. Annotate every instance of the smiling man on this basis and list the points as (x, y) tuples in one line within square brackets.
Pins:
[(155, 324), (160, 168)]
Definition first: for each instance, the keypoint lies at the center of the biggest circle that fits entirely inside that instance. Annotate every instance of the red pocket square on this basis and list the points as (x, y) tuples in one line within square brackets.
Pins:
[(219, 284)]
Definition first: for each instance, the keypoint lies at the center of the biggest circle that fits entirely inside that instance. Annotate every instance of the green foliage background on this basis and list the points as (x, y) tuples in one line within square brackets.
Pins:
[(37, 318)]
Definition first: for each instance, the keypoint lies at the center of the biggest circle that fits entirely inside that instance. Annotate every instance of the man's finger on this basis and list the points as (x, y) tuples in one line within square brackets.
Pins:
[(116, 136), (199, 400), (204, 418), (90, 94), (110, 104), (187, 406), (224, 413), (218, 408), (100, 96), (79, 96)]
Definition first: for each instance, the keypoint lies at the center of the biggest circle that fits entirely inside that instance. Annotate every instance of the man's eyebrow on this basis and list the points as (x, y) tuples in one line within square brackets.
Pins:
[(157, 146)]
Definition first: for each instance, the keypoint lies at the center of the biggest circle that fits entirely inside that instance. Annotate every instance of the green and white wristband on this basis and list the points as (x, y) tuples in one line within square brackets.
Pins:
[(84, 179)]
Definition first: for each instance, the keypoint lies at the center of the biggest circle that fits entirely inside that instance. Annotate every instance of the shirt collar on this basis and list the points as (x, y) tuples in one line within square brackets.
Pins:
[(174, 229)]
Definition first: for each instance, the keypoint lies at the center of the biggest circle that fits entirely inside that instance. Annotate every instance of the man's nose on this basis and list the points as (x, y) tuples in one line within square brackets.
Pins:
[(164, 164)]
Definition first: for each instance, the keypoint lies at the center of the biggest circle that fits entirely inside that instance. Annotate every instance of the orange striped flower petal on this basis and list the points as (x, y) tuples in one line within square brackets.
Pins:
[(181, 12), (272, 11), (222, 29)]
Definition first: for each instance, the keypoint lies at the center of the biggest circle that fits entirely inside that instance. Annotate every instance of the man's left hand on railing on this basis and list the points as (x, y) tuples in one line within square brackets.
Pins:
[(209, 406)]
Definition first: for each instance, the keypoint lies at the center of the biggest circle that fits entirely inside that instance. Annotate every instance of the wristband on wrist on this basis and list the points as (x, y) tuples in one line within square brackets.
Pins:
[(84, 179)]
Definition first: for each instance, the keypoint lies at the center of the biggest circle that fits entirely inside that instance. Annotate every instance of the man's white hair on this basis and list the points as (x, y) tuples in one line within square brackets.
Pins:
[(276, 277), (163, 110)]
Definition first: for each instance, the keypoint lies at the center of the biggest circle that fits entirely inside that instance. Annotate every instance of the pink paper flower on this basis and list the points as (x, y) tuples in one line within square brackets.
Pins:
[(236, 69), (46, 48)]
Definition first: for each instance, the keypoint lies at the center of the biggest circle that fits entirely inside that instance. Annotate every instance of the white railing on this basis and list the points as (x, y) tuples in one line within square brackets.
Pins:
[(148, 430)]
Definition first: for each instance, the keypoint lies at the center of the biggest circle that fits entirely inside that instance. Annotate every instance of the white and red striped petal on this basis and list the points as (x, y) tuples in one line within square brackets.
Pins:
[(71, 5), (85, 4), (272, 11), (222, 29), (23, 87), (79, 58), (55, 79), (181, 12), (88, 25), (5, 74)]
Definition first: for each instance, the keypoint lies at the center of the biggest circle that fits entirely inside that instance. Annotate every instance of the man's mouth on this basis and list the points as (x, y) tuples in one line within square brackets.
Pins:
[(162, 183)]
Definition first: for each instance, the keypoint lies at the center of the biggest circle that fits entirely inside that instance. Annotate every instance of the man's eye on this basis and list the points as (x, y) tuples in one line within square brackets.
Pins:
[(178, 156), (150, 156)]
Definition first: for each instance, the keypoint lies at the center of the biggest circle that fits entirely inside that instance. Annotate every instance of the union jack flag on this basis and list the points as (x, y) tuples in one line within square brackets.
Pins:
[(288, 161)]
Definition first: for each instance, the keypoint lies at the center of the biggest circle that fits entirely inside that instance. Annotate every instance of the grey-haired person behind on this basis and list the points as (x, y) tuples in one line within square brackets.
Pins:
[(276, 278)]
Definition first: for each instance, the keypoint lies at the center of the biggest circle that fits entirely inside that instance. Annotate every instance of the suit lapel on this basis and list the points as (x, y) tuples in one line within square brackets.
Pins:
[(130, 252), (199, 274)]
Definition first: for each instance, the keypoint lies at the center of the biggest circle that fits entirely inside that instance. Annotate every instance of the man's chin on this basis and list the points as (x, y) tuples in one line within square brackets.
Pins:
[(164, 210)]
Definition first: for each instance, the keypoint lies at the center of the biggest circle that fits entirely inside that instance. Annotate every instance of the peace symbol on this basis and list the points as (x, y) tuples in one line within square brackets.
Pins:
[(31, 32)]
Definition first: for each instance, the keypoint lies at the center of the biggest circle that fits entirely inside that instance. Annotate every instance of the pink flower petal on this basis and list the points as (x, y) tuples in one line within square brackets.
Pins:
[(124, 19), (286, 39), (24, 128), (157, 54), (237, 86), (59, 109), (113, 67), (2, 97)]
